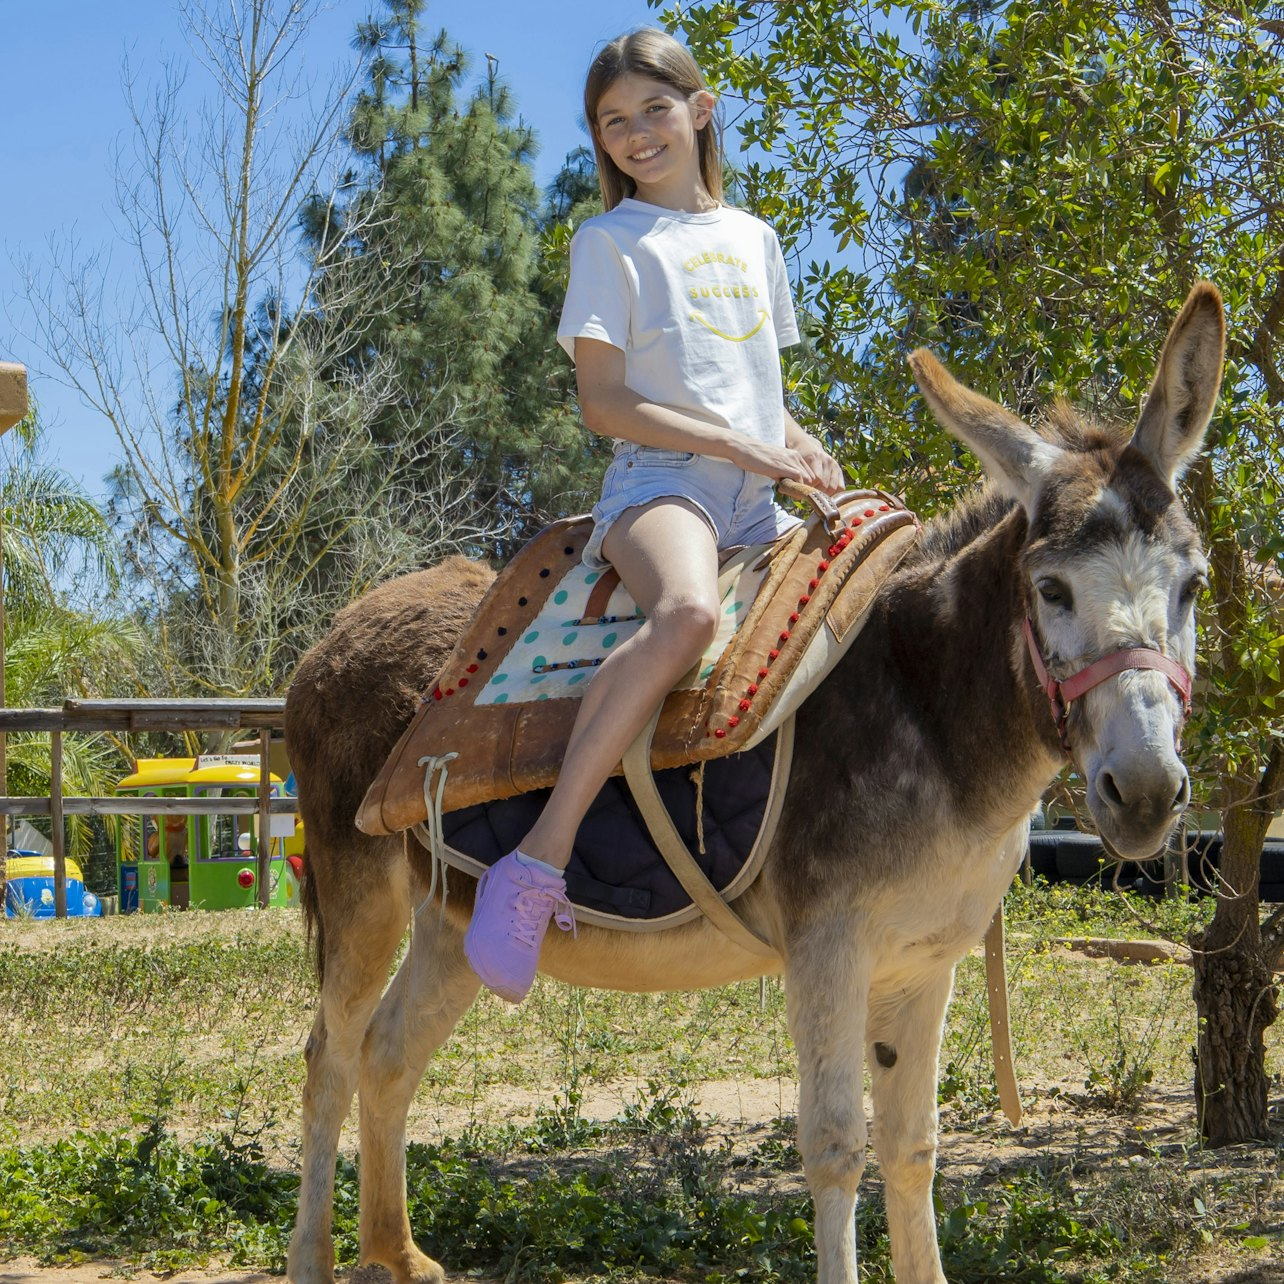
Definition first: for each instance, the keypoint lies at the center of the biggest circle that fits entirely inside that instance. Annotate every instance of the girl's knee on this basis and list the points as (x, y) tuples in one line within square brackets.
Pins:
[(687, 625)]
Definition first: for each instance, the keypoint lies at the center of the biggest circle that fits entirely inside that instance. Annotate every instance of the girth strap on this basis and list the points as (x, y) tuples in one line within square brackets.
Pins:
[(996, 985), (637, 772)]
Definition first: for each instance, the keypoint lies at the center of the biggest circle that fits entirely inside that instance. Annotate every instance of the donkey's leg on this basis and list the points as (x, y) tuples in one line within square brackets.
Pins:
[(433, 988), (905, 1043), (827, 982), (360, 940)]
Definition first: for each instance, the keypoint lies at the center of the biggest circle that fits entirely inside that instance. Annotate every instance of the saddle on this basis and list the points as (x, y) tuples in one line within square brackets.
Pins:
[(502, 708)]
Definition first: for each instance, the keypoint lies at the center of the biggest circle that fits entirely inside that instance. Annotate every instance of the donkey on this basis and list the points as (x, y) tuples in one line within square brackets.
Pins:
[(918, 763)]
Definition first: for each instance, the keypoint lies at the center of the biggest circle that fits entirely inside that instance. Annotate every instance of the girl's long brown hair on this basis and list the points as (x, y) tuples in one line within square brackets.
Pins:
[(656, 55)]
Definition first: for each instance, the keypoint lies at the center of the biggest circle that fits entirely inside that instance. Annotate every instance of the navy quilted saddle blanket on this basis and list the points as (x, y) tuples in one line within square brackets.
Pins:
[(615, 869)]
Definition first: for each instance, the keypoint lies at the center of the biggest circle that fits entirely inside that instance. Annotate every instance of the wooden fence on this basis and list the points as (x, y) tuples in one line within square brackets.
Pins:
[(88, 716)]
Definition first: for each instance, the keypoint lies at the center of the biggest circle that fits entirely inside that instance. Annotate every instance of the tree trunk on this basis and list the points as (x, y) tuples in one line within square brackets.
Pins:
[(1235, 993), (1235, 1001)]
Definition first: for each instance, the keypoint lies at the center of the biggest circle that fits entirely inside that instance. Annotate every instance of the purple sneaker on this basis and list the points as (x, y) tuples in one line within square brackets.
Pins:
[(514, 904)]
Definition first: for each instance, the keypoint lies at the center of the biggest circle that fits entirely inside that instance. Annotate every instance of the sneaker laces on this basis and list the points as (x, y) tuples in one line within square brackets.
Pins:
[(532, 910)]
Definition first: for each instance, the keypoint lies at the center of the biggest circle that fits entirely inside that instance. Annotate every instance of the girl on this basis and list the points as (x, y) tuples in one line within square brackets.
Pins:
[(675, 314)]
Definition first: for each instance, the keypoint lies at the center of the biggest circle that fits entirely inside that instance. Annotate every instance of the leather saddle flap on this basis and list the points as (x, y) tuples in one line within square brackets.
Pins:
[(506, 698)]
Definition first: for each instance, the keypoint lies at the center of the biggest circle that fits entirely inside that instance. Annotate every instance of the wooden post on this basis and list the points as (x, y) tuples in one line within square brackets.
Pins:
[(56, 831), (265, 817), (13, 409)]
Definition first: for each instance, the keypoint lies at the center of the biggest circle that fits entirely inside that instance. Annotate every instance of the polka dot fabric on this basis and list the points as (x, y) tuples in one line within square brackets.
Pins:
[(559, 651)]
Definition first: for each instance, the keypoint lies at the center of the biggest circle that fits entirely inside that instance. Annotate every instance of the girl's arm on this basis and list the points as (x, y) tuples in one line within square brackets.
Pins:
[(610, 407)]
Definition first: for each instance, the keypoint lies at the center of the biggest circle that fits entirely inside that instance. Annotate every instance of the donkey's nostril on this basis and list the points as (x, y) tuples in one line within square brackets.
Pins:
[(1182, 800), (1109, 790)]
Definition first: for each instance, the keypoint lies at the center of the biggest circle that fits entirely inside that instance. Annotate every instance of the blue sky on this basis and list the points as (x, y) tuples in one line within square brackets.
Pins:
[(63, 115)]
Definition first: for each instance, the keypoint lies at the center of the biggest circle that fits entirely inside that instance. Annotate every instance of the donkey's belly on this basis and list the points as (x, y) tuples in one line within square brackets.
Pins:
[(694, 956)]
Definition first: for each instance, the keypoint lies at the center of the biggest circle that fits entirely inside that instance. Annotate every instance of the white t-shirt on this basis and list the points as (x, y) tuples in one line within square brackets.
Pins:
[(699, 304)]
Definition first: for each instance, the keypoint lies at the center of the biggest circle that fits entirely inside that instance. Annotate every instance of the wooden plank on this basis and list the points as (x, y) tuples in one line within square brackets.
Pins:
[(254, 705), (265, 819), (57, 832), (159, 720), (43, 720), (133, 806), (13, 394), (152, 715)]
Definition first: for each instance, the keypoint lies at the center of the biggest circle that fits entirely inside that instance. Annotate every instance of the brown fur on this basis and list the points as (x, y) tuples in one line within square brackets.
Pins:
[(349, 702)]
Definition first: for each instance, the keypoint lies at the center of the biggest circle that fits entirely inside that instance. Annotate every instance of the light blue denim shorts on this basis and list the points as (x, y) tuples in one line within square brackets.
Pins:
[(740, 507)]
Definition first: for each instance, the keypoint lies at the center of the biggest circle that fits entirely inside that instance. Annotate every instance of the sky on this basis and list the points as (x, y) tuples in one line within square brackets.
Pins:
[(63, 116)]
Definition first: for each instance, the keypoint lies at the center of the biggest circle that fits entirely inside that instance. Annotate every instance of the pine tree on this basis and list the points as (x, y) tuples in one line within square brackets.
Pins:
[(445, 191)]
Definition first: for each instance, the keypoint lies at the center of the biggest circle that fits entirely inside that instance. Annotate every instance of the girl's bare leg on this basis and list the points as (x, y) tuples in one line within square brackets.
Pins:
[(667, 558)]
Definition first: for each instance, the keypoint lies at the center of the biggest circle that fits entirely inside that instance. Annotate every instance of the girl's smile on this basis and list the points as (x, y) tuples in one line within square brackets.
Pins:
[(651, 133)]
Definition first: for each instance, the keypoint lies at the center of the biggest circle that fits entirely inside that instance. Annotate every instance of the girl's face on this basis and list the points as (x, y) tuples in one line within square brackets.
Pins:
[(650, 131)]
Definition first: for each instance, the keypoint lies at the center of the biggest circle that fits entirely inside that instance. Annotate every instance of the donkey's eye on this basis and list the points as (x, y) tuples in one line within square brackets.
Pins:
[(1055, 593), (1192, 589)]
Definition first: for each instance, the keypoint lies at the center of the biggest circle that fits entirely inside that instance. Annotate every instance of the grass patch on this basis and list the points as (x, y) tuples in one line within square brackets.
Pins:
[(627, 1209)]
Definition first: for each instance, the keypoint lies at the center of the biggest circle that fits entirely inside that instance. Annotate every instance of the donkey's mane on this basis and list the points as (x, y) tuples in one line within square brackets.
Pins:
[(975, 514)]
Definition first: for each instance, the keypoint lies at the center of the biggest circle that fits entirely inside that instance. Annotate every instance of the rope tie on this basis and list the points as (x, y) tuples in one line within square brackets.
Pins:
[(697, 775), (430, 834)]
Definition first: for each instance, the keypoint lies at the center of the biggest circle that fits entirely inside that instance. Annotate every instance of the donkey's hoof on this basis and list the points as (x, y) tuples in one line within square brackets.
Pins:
[(407, 1267)]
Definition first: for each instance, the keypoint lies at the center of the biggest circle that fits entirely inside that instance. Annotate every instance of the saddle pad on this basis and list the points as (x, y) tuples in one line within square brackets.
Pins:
[(617, 877), (506, 698)]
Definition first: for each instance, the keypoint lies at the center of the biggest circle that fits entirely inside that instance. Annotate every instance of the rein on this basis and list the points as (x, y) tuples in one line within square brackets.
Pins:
[(1062, 693)]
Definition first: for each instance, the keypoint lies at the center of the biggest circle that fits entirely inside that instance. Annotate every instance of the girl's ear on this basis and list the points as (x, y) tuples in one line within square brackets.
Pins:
[(702, 105)]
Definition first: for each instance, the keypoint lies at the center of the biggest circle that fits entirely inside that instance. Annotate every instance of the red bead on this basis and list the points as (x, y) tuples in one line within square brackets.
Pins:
[(884, 508), (806, 597), (722, 735), (472, 668), (813, 585), (463, 682), (450, 690), (744, 706), (733, 721), (856, 521), (833, 549), (753, 688), (869, 512), (794, 617), (772, 655), (822, 568), (762, 673), (436, 695)]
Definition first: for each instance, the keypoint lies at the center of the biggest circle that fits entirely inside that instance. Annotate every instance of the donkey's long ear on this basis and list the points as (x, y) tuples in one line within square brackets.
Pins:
[(1180, 403), (1015, 457)]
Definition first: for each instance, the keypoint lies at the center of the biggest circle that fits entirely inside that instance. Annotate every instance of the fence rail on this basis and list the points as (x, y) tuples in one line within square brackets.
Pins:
[(89, 716), (151, 806)]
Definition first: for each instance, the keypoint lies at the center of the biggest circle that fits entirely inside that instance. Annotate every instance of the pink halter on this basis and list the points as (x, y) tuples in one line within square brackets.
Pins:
[(1062, 694)]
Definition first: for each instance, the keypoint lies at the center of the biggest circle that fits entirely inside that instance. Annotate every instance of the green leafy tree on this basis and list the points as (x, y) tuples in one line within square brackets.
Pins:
[(444, 200), (253, 496), (60, 568), (1032, 190)]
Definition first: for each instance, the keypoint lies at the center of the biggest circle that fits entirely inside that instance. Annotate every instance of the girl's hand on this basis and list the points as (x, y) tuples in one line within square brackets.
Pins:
[(810, 466), (826, 471)]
